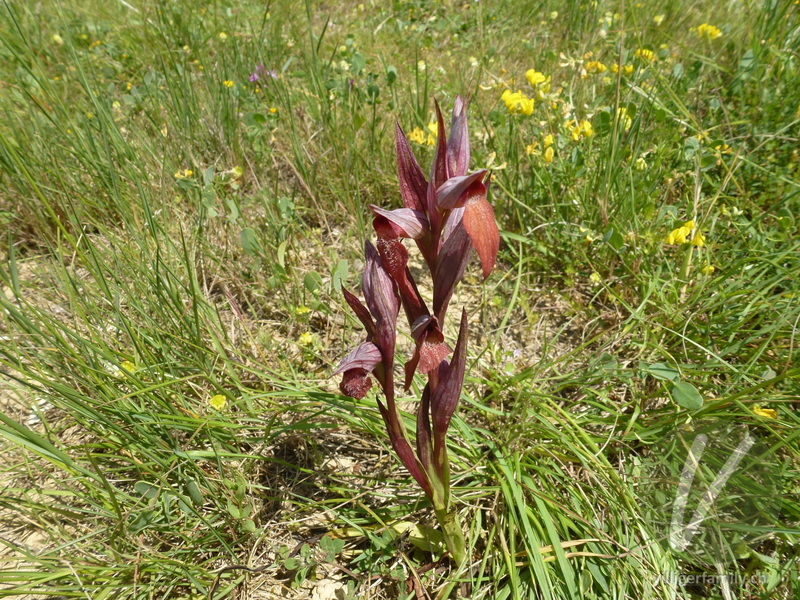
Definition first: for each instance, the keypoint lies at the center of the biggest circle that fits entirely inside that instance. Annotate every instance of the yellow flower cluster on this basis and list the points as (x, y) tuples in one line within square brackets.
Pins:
[(540, 83), (626, 70), (578, 129), (184, 174), (644, 55), (535, 78), (682, 234), (227, 83), (418, 136), (707, 31), (517, 102), (624, 118), (547, 144), (595, 66)]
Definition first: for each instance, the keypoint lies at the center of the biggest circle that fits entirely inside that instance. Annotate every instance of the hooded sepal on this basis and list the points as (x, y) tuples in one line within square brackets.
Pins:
[(450, 268), (458, 144), (429, 350), (364, 356), (394, 258), (413, 185), (405, 222), (381, 296), (456, 191)]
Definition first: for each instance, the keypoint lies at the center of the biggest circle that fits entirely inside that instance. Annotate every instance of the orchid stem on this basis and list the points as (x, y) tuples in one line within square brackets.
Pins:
[(453, 533)]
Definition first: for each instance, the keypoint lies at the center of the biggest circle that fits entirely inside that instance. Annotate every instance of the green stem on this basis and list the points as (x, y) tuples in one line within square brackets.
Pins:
[(453, 534)]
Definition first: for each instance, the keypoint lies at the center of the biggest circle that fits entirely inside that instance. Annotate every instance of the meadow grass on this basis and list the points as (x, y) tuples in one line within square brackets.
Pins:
[(176, 236)]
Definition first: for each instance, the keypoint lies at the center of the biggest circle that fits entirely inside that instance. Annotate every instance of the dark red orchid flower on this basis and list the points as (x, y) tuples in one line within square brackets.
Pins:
[(447, 216)]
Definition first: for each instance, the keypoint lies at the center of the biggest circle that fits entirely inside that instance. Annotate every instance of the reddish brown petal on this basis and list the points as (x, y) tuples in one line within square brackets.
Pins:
[(479, 223)]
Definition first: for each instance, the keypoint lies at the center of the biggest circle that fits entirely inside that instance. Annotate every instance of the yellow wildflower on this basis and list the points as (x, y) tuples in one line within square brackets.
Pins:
[(532, 149), (128, 366), (534, 77), (644, 54), (184, 174), (708, 269), (57, 39), (306, 339), (416, 135), (640, 164), (681, 234), (614, 68), (302, 310), (699, 239), (595, 66), (273, 110), (548, 140), (223, 36), (658, 20), (769, 413), (517, 102), (707, 31), (595, 277), (548, 155), (433, 128), (627, 69), (227, 83), (218, 402)]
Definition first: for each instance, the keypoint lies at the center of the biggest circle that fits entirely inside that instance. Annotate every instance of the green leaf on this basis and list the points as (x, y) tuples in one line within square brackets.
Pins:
[(147, 490), (661, 371), (312, 281), (233, 510), (341, 274), (194, 492), (249, 241), (686, 395)]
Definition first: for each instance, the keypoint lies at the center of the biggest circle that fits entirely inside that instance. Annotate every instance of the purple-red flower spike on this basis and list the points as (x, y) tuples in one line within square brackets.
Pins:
[(447, 216)]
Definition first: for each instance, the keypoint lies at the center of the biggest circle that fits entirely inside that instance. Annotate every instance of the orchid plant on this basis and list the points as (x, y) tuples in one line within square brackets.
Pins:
[(447, 216)]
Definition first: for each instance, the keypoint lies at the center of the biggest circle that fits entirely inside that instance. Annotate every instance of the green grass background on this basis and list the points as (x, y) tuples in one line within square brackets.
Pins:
[(134, 291)]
